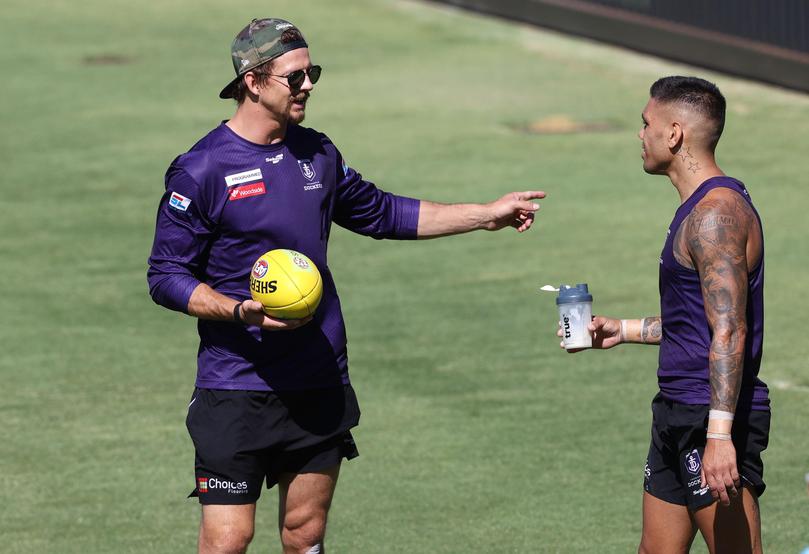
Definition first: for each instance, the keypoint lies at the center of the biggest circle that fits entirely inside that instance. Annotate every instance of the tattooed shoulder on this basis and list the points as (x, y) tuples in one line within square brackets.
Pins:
[(720, 220)]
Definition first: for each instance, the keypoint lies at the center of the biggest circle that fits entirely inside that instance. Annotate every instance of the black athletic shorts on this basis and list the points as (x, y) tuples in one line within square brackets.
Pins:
[(243, 438), (673, 466)]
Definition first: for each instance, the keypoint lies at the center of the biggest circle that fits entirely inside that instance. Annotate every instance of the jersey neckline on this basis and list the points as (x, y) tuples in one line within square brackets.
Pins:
[(244, 142)]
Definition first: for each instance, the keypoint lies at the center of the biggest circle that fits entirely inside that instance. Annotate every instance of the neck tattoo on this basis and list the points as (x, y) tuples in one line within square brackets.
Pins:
[(685, 153)]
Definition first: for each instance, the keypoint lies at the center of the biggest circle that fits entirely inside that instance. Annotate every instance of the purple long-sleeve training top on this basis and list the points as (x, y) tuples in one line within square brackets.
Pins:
[(228, 201)]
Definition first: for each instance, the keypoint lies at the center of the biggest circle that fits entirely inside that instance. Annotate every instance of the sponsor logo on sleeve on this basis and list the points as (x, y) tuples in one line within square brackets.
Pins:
[(246, 191), (179, 202), (345, 168), (243, 177), (307, 169), (202, 484)]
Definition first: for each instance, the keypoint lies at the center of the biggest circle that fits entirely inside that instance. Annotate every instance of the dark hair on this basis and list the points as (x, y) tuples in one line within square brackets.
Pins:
[(698, 94), (262, 72)]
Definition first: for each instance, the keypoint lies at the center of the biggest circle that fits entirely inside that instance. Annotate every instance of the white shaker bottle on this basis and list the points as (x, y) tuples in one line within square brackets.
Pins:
[(575, 312)]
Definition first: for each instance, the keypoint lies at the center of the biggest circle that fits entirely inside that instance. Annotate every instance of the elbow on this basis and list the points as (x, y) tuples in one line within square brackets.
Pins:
[(170, 290), (158, 293), (155, 294), (730, 339)]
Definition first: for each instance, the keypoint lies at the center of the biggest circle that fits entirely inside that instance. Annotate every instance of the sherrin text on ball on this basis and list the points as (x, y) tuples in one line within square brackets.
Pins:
[(287, 283)]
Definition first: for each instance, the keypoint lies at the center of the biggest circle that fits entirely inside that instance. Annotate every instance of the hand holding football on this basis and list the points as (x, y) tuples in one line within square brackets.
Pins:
[(287, 284)]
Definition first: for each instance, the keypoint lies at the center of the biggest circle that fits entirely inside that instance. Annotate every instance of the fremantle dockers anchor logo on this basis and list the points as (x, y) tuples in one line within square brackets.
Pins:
[(692, 462), (307, 169)]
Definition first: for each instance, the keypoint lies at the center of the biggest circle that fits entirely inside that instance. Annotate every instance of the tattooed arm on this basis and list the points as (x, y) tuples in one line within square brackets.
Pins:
[(716, 237)]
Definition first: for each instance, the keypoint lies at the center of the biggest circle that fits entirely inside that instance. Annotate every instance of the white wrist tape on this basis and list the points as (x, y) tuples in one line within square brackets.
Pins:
[(719, 414), (623, 330), (719, 436)]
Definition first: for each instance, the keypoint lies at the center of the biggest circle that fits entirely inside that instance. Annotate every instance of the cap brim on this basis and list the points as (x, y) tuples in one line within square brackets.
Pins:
[(227, 92)]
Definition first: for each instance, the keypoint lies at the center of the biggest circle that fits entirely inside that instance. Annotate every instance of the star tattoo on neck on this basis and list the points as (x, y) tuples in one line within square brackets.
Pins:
[(693, 167), (685, 153)]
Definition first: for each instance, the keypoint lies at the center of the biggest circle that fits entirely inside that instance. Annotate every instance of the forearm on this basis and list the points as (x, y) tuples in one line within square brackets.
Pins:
[(648, 330), (725, 367), (440, 220), (206, 303)]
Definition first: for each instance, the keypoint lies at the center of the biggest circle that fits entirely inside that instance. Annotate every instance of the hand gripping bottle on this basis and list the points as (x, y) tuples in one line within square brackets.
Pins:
[(575, 312)]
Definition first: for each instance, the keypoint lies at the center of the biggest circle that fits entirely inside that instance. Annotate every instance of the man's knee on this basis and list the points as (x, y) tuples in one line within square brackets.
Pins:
[(303, 531), (225, 538), (646, 547)]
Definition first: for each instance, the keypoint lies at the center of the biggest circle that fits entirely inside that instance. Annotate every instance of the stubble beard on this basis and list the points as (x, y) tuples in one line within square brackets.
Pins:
[(298, 115), (297, 118)]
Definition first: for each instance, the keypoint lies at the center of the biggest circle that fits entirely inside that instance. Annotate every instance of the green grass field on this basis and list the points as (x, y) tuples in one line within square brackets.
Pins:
[(478, 434)]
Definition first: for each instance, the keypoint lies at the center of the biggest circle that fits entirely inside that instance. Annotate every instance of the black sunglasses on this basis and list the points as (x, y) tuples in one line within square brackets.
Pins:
[(297, 77)]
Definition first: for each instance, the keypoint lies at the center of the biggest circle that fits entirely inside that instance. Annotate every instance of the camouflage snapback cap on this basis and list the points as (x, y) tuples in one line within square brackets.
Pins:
[(257, 43)]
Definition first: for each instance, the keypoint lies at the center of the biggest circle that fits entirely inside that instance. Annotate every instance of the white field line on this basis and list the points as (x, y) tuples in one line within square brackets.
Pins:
[(781, 384)]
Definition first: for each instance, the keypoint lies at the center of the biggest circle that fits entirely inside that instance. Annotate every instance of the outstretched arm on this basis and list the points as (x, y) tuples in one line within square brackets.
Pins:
[(716, 237), (512, 210)]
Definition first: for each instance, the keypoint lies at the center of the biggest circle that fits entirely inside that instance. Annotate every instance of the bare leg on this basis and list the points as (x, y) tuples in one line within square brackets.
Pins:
[(226, 529), (733, 529), (667, 528), (304, 501)]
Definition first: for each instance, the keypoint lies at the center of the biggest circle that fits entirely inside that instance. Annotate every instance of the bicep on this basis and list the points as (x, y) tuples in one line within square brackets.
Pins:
[(365, 209), (717, 239), (181, 236)]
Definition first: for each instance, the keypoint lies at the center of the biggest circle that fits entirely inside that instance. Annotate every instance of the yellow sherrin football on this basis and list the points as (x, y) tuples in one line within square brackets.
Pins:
[(287, 284)]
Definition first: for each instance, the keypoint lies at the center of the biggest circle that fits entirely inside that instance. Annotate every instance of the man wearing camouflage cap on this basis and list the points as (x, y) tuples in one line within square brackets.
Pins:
[(273, 402)]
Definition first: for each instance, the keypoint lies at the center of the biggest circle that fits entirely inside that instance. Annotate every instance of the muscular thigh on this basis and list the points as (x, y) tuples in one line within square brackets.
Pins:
[(733, 529), (667, 528), (306, 496)]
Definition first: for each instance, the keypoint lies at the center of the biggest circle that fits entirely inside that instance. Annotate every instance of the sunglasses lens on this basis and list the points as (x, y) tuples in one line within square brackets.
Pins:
[(314, 73), (296, 78)]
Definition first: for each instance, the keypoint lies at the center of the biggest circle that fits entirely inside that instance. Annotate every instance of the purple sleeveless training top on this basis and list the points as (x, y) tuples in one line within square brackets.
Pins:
[(683, 366)]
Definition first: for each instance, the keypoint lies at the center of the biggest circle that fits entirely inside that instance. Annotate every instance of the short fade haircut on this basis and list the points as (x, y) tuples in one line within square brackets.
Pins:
[(262, 72), (698, 94)]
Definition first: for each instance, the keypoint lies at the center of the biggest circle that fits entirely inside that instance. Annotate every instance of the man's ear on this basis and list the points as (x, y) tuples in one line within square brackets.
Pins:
[(251, 83), (675, 137)]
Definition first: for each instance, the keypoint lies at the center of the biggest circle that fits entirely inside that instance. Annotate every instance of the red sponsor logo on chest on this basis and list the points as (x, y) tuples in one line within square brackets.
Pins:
[(245, 191)]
